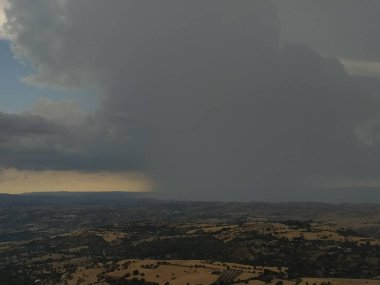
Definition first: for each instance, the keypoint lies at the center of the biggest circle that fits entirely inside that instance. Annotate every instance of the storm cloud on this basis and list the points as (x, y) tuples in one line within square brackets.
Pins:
[(204, 96), (343, 28)]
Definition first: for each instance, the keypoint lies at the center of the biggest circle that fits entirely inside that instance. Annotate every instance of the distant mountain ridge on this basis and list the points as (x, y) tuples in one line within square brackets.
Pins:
[(333, 196), (62, 198), (108, 194)]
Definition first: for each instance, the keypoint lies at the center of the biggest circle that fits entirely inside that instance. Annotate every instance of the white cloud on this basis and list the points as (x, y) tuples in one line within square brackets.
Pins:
[(65, 112), (3, 19), (361, 67)]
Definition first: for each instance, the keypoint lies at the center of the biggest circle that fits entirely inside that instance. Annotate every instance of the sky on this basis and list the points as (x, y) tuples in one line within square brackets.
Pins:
[(207, 100), (16, 95)]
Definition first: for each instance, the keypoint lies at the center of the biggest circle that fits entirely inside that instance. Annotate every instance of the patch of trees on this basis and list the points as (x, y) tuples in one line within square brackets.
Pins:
[(133, 281), (14, 277), (182, 248), (295, 224)]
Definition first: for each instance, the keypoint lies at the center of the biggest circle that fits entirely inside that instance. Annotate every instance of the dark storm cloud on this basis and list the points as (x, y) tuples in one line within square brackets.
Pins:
[(199, 94), (343, 28), (12, 124), (51, 137), (295, 119), (23, 135), (29, 142)]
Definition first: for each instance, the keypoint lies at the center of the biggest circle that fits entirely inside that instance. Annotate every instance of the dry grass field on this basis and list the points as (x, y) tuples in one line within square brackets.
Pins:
[(194, 272), (176, 272)]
